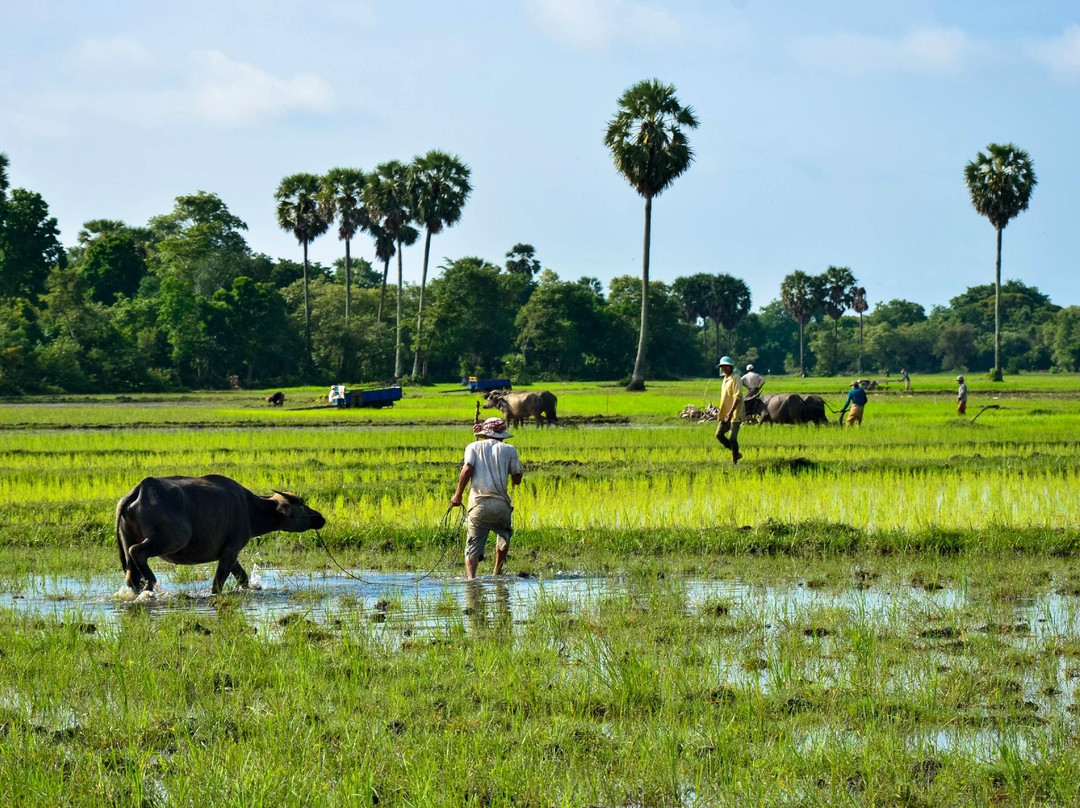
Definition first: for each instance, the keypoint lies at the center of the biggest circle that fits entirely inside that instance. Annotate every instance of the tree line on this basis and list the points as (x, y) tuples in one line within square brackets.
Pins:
[(183, 301)]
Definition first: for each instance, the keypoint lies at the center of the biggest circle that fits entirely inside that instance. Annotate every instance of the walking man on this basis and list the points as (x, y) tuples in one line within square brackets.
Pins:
[(856, 400), (732, 409), (488, 464), (961, 396)]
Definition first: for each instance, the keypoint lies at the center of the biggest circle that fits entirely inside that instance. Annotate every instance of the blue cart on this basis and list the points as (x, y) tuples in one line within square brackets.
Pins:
[(476, 385), (371, 397)]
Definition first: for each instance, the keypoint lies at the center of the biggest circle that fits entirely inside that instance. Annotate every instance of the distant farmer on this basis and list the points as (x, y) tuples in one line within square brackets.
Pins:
[(488, 464), (856, 400), (732, 409), (961, 396), (752, 381), (905, 379)]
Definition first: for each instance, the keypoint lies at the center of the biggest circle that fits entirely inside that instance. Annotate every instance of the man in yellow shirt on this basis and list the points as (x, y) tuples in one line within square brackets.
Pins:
[(732, 409)]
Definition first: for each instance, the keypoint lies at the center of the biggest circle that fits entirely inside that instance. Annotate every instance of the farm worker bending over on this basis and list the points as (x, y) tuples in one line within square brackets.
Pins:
[(856, 400), (488, 464), (961, 396), (732, 409), (752, 381)]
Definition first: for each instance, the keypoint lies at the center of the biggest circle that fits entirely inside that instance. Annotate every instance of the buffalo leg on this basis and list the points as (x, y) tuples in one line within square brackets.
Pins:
[(224, 569), (139, 554), (240, 574)]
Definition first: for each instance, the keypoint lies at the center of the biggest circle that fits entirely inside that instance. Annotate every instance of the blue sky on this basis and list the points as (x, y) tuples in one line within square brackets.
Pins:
[(831, 133)]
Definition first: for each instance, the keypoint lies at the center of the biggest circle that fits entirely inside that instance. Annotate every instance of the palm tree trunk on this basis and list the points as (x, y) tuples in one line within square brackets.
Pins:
[(420, 311), (348, 282), (382, 292), (997, 311), (637, 381), (397, 339), (802, 365), (307, 309), (860, 344)]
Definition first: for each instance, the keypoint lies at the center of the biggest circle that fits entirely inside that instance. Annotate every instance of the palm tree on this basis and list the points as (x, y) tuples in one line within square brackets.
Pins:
[(800, 296), (390, 206), (837, 294), (440, 187), (728, 304), (1000, 183), (342, 196), (301, 212), (648, 142), (860, 305)]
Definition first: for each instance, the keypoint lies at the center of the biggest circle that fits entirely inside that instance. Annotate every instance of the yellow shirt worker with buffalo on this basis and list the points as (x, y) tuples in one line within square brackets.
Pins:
[(732, 408)]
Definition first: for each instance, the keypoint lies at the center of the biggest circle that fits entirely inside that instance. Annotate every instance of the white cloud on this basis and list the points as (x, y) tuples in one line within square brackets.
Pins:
[(930, 51), (234, 92), (595, 24), (1060, 55)]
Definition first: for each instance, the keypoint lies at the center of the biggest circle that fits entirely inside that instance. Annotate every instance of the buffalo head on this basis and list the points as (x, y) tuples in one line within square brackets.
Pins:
[(295, 515)]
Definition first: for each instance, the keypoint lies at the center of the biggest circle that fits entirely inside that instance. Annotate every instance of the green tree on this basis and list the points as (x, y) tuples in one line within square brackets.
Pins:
[(301, 212), (113, 264), (800, 295), (1000, 182), (389, 200), (837, 294), (200, 241), (649, 144), (955, 345), (521, 260), (672, 348), (343, 198), (1065, 337), (29, 244), (439, 189)]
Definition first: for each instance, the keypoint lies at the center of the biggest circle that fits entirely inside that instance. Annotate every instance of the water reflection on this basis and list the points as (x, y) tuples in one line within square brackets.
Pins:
[(477, 605)]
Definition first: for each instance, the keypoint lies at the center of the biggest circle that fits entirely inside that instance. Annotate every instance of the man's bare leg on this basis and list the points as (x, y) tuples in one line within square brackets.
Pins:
[(500, 558), (470, 567)]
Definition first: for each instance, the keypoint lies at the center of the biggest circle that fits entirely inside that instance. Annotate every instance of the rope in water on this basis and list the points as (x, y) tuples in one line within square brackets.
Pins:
[(447, 531)]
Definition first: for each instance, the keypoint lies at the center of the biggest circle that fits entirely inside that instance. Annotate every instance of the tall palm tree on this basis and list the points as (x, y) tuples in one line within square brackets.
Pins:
[(649, 144), (1000, 183), (837, 294), (390, 204), (800, 296), (301, 212), (440, 187), (860, 305), (385, 250), (342, 196)]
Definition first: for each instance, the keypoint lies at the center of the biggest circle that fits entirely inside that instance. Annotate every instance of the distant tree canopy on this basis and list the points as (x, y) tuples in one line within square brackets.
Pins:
[(182, 302)]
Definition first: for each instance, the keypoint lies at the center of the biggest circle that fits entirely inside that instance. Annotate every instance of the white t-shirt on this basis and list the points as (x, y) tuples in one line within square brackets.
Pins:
[(751, 380), (493, 462)]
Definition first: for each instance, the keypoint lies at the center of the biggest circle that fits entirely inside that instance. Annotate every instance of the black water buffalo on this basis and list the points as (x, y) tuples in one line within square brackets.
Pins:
[(516, 407), (276, 399), (196, 520), (787, 408)]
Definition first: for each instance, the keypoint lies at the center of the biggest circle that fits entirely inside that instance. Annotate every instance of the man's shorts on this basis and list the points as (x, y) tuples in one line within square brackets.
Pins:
[(854, 415), (489, 514)]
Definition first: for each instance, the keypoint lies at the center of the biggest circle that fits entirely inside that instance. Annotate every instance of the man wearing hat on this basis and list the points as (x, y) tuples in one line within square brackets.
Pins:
[(856, 400), (732, 409), (488, 464), (961, 396), (752, 381)]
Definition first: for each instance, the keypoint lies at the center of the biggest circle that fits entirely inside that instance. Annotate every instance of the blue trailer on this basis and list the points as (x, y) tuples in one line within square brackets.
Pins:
[(476, 385), (369, 397)]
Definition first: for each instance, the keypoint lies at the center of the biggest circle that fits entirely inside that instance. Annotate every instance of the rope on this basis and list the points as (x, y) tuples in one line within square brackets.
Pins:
[(447, 531)]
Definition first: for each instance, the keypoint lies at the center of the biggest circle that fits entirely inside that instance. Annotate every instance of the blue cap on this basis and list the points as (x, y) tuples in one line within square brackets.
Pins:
[(725, 360)]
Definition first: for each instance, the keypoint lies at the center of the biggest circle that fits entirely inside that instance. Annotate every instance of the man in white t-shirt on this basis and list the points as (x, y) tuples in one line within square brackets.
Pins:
[(488, 464), (752, 381)]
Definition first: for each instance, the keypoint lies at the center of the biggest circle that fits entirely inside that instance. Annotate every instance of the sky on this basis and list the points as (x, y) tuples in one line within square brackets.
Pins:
[(831, 133)]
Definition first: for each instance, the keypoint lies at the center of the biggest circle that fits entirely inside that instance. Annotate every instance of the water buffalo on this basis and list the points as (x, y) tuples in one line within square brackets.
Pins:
[(276, 399), (787, 408), (196, 520), (516, 407)]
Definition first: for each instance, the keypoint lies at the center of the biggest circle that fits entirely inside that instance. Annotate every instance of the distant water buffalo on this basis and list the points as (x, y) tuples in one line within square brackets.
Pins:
[(787, 408), (196, 520), (516, 407), (276, 399)]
